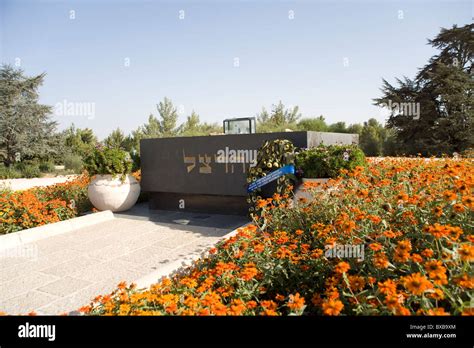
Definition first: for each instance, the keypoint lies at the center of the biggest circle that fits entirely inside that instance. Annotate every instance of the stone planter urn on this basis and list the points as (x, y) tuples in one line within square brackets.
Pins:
[(108, 193)]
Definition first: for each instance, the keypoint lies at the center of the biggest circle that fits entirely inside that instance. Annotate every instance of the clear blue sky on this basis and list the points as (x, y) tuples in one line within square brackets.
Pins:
[(191, 60)]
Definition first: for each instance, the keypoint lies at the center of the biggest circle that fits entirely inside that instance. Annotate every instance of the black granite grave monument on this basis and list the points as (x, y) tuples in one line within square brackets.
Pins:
[(208, 173)]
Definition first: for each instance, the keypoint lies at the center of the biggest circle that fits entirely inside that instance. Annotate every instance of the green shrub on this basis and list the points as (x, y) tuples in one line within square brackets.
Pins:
[(327, 161), (20, 170), (105, 161), (9, 173), (136, 161), (29, 170), (46, 167), (73, 162)]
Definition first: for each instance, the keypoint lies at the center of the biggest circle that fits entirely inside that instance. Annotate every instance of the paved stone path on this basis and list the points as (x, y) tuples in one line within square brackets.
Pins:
[(72, 268)]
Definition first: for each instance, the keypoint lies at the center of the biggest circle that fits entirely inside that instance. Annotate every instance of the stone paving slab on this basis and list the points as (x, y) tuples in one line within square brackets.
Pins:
[(68, 270)]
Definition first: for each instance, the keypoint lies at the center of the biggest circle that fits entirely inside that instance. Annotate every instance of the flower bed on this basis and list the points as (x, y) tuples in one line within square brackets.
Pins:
[(412, 218), (42, 205)]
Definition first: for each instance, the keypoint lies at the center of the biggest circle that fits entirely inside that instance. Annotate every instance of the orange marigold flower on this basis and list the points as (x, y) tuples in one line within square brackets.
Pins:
[(316, 253), (416, 283), (458, 208), (251, 304), (375, 246), (389, 234), (466, 252), (465, 281), (468, 201), (401, 256), (188, 282), (357, 283), (438, 211), (237, 307), (387, 287), (279, 297), (204, 312), (450, 195), (437, 230), (404, 245), (83, 309), (427, 253), (400, 310), (437, 294), (439, 278), (191, 301), (332, 307), (269, 312), (296, 302), (468, 311), (434, 267), (332, 293), (342, 267), (258, 248), (212, 250), (416, 258), (393, 301), (249, 272), (402, 196), (380, 260), (437, 311)]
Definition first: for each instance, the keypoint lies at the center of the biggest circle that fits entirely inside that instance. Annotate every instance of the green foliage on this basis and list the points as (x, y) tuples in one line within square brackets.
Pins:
[(279, 119), (169, 117), (442, 94), (74, 193), (30, 171), (9, 172), (317, 124), (79, 141), (105, 161), (116, 139), (327, 161), (73, 162), (46, 167), (338, 127), (194, 127), (25, 127), (27, 169), (373, 138)]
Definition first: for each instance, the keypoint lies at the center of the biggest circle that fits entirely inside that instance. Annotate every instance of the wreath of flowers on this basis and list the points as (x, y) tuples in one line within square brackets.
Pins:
[(272, 155)]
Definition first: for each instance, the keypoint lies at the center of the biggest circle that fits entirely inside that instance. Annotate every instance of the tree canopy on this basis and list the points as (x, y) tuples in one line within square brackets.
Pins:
[(432, 113), (25, 125)]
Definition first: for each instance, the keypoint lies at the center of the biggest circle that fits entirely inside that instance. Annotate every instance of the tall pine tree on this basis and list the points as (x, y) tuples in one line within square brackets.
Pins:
[(25, 125), (443, 91)]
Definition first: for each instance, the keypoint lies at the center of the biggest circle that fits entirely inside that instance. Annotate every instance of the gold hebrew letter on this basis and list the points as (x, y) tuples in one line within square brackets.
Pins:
[(205, 160), (191, 160)]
